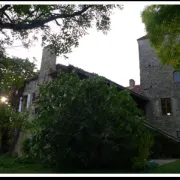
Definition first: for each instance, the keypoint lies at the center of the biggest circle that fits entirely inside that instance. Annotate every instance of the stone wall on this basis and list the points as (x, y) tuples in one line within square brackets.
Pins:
[(157, 82), (48, 62)]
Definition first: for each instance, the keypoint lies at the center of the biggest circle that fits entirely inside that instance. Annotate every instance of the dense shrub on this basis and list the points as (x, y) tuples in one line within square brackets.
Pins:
[(26, 146), (164, 147), (9, 120), (85, 124)]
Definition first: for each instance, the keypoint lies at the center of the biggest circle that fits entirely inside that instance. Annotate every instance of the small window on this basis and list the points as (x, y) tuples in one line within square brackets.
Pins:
[(176, 76), (178, 134), (25, 101), (166, 106)]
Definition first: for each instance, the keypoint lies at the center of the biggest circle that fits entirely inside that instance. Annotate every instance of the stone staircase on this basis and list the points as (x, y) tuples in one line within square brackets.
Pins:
[(147, 124)]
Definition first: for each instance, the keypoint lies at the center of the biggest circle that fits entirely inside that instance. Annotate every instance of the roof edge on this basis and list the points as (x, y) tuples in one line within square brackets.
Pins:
[(88, 74), (143, 37)]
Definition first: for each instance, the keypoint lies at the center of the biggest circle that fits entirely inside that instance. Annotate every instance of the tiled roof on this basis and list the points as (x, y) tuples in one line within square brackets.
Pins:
[(136, 88)]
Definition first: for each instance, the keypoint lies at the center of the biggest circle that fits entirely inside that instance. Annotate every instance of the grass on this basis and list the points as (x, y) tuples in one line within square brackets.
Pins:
[(17, 166), (96, 171), (11, 165), (173, 167)]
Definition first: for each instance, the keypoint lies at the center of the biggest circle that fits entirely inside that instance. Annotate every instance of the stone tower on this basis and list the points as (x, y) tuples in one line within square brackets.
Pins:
[(48, 63), (158, 84)]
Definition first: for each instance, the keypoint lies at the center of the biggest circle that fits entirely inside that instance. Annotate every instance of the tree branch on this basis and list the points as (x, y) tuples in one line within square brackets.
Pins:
[(57, 22), (39, 23), (3, 9), (8, 17)]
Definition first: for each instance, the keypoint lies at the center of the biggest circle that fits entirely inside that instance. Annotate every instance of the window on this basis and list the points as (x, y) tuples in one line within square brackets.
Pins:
[(28, 101), (178, 134), (25, 102), (176, 76), (166, 106), (20, 104)]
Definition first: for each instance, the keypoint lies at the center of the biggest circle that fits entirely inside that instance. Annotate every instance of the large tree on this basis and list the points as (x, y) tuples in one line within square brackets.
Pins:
[(162, 26), (13, 72), (31, 22)]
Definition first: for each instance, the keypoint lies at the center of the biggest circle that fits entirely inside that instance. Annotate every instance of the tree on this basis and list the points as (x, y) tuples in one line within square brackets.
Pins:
[(13, 72), (86, 123), (9, 121), (162, 26), (28, 22)]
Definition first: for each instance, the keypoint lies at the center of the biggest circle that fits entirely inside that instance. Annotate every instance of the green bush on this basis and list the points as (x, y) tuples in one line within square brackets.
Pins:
[(146, 142), (9, 120), (26, 146), (85, 124), (164, 147), (24, 160)]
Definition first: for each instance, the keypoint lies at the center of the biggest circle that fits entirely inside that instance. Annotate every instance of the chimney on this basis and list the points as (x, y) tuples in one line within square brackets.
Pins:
[(131, 83), (48, 62)]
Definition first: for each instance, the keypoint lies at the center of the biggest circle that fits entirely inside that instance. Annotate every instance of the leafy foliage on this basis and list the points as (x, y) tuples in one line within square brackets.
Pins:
[(85, 123), (164, 147), (28, 22), (26, 146), (9, 120), (162, 26), (146, 141), (13, 72), (9, 165)]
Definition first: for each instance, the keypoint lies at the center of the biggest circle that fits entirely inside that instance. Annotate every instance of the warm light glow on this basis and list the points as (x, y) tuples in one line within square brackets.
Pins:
[(3, 99)]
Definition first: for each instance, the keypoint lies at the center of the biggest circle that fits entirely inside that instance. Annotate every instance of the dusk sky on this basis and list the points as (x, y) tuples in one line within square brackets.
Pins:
[(114, 56)]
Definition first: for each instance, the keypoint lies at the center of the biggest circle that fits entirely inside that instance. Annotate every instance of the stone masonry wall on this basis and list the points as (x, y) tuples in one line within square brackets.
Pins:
[(157, 82)]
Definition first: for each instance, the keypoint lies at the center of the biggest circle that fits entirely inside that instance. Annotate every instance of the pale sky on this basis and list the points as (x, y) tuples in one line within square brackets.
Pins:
[(114, 56)]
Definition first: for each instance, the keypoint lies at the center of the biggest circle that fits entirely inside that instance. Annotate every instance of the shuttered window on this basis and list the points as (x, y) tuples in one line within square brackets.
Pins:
[(20, 104), (28, 101)]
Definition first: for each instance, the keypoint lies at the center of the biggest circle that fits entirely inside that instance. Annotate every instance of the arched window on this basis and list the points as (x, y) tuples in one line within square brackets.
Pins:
[(176, 76)]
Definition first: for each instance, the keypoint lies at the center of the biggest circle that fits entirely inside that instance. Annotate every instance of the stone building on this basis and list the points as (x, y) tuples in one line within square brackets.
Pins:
[(161, 84), (158, 94), (48, 72)]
